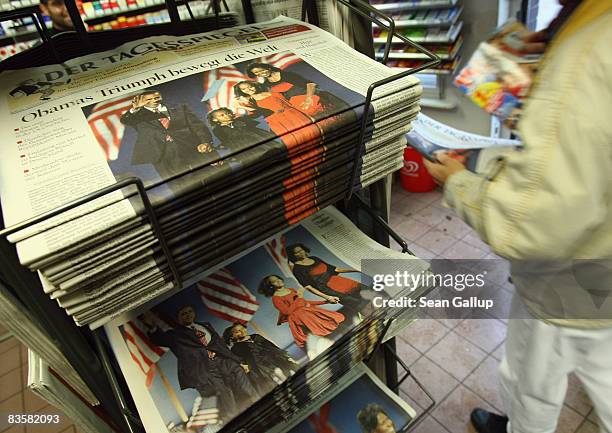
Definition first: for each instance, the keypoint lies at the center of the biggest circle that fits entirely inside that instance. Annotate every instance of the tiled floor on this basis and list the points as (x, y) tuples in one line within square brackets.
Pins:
[(457, 359), (16, 398)]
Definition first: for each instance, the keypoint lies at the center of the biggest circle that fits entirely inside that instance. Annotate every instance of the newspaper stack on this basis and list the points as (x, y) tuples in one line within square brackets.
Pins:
[(266, 334), (52, 389), (236, 134)]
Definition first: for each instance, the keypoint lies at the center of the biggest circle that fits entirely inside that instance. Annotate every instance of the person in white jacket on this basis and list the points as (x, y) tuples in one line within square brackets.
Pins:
[(548, 209)]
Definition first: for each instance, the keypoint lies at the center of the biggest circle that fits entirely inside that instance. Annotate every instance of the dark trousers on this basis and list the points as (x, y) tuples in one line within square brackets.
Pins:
[(230, 384)]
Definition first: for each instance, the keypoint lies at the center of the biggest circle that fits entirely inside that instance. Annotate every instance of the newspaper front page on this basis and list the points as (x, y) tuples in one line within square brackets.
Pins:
[(71, 132)]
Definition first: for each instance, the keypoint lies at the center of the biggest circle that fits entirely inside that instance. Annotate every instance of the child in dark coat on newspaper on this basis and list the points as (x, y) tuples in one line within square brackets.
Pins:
[(269, 364), (235, 132)]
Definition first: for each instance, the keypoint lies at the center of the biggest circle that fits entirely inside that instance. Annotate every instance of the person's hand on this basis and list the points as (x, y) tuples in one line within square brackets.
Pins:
[(444, 168), (534, 42), (242, 103), (333, 299), (138, 102), (246, 368), (204, 148)]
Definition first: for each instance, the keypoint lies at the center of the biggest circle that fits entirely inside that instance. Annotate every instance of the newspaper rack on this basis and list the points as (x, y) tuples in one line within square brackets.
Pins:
[(87, 351)]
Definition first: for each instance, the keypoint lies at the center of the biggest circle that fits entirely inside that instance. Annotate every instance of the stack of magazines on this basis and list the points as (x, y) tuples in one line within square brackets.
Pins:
[(236, 135), (259, 339)]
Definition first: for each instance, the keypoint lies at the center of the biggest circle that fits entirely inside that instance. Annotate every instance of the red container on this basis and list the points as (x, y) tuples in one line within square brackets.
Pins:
[(414, 175)]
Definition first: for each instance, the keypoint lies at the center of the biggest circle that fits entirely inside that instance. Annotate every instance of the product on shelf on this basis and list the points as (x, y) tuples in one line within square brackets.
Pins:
[(445, 51), (445, 67), (427, 17), (433, 23)]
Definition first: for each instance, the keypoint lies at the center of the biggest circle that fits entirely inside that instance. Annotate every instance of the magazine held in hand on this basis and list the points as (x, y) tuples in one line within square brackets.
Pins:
[(498, 76), (235, 133)]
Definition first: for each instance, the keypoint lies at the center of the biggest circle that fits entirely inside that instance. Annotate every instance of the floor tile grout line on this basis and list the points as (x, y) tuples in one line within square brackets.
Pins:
[(462, 381), (584, 420)]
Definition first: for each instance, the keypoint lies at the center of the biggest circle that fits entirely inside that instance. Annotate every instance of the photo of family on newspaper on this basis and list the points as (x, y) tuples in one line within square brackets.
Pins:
[(242, 330), (176, 127)]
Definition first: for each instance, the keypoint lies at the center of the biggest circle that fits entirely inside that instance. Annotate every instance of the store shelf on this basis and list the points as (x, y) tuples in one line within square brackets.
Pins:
[(25, 36), (92, 21), (90, 13), (419, 56), (413, 5), (448, 38), (440, 104), (427, 22), (23, 8)]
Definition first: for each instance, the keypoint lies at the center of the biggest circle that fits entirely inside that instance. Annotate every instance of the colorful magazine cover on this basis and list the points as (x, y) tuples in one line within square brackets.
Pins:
[(498, 76)]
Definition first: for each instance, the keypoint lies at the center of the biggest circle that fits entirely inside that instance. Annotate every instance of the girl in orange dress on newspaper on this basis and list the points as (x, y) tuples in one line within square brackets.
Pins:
[(291, 125), (303, 316)]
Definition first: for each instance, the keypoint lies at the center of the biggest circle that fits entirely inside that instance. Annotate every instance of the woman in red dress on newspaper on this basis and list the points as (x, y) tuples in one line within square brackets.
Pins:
[(314, 273), (291, 125), (300, 92), (303, 316)]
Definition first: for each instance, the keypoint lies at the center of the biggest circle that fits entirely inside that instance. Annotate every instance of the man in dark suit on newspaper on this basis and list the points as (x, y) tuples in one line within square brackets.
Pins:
[(173, 139), (204, 362)]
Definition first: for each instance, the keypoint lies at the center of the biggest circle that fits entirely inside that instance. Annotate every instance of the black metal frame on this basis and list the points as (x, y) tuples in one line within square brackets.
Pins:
[(391, 353), (91, 358)]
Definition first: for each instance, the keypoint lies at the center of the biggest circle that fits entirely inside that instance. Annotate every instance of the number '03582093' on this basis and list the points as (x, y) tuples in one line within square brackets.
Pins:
[(33, 418)]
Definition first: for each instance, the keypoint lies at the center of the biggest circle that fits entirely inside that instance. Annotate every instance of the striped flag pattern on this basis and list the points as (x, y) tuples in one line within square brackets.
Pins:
[(227, 298), (142, 350), (203, 416), (104, 121), (219, 83), (276, 249)]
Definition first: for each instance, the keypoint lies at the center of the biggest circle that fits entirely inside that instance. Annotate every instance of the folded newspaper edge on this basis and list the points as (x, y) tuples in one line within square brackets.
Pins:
[(49, 388)]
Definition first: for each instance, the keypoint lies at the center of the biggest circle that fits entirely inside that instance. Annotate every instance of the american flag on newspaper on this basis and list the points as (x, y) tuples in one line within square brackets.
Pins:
[(104, 121), (276, 249), (219, 83), (142, 350), (227, 298)]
